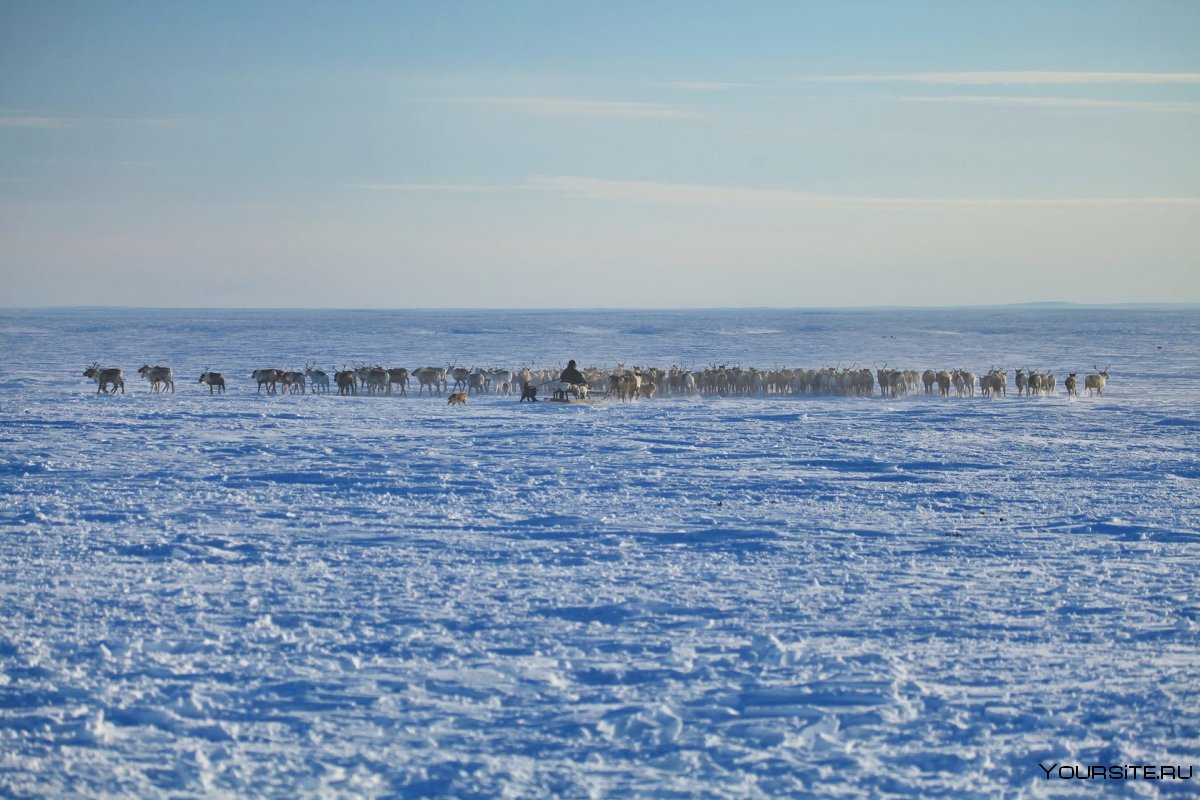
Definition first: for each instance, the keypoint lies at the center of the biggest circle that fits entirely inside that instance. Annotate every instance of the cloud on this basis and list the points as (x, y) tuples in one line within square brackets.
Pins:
[(577, 107), (658, 193), (20, 119), (1019, 78), (457, 188), (691, 194), (88, 162), (701, 86), (31, 121), (1063, 102)]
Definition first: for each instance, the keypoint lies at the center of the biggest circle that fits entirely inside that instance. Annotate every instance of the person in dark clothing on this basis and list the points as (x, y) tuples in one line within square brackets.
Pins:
[(572, 375)]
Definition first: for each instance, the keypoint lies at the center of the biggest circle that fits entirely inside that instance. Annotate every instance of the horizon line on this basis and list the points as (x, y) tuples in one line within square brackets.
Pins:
[(1058, 304)]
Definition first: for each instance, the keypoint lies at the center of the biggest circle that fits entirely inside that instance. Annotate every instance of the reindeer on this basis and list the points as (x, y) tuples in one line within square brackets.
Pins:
[(1041, 383), (1070, 384), (755, 382), (993, 383), (268, 378), (1033, 384), (476, 382), (1096, 381), (378, 380), (215, 380), (680, 381), (714, 380), (160, 378), (291, 380), (105, 377), (863, 382), (318, 379), (431, 378), (502, 381), (460, 375), (986, 383), (884, 379), (362, 373), (964, 383), (944, 379), (1023, 382), (631, 386), (346, 380), (928, 377), (398, 376)]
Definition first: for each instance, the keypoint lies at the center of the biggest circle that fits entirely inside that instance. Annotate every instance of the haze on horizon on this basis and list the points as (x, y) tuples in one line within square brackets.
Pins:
[(540, 154)]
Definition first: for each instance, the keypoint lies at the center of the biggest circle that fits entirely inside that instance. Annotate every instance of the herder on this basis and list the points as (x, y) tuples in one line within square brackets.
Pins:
[(572, 375)]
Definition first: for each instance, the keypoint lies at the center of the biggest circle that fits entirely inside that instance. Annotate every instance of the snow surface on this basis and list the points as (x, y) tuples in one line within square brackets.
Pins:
[(755, 597)]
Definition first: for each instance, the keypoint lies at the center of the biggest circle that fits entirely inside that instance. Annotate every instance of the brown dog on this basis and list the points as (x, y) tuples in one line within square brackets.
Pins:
[(457, 399), (529, 392)]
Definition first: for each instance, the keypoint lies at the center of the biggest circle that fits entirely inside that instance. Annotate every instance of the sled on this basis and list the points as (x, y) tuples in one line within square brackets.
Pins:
[(571, 401)]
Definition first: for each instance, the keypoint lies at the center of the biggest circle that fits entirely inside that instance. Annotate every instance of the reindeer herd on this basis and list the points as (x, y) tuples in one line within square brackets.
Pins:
[(625, 384)]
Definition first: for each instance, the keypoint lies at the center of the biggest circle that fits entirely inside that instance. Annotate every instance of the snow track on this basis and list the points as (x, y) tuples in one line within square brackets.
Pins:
[(326, 596)]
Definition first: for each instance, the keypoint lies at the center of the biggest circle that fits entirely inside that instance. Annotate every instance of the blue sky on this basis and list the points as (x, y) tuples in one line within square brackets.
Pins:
[(537, 154)]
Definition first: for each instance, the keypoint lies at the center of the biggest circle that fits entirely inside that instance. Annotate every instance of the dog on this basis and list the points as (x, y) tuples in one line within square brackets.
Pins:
[(457, 399), (529, 392), (565, 391)]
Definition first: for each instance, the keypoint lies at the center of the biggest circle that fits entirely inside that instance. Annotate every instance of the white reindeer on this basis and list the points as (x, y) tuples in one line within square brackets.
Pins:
[(502, 380), (161, 378), (318, 379)]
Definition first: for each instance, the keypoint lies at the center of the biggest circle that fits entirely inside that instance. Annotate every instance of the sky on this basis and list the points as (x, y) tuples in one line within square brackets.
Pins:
[(598, 155)]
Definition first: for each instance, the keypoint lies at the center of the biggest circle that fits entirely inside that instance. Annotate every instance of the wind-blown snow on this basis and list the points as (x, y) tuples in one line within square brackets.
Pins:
[(759, 597)]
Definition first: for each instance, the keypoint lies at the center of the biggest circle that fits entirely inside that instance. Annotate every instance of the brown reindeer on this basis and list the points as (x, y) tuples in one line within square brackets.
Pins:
[(215, 380), (105, 377)]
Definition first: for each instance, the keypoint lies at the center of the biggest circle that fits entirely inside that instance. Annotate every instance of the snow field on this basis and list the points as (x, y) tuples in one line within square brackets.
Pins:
[(323, 596)]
